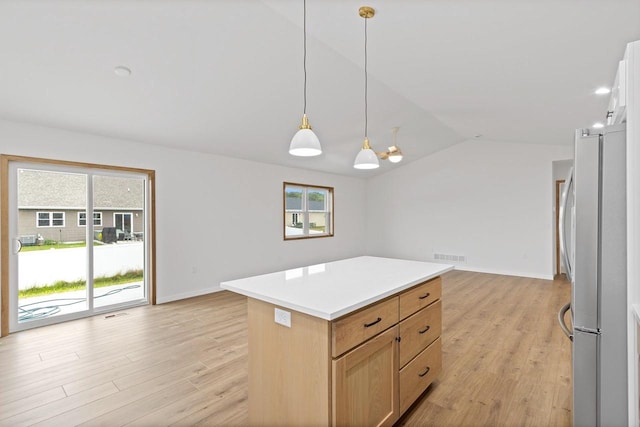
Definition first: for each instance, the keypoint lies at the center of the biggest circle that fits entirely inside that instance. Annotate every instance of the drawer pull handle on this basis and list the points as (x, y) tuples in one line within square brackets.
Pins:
[(425, 295), (425, 372), (424, 330), (366, 325)]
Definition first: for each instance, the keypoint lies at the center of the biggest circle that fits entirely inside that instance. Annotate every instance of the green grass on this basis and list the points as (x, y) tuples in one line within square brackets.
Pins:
[(99, 282), (55, 245)]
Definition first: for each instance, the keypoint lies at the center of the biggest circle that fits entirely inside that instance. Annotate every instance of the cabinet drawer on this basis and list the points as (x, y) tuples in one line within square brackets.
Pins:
[(358, 327), (419, 373), (420, 330), (420, 296)]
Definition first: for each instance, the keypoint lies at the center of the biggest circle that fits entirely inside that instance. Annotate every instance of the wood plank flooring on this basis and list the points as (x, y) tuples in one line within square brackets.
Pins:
[(506, 362)]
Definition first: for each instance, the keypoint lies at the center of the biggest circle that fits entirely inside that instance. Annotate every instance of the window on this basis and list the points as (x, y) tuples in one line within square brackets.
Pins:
[(82, 219), (50, 219), (308, 211)]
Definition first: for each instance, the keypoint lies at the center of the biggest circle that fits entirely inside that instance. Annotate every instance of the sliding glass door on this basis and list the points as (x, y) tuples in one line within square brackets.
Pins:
[(79, 242), (51, 250), (118, 266)]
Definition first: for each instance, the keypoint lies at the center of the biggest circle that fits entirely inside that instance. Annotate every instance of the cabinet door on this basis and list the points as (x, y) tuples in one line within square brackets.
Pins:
[(365, 383)]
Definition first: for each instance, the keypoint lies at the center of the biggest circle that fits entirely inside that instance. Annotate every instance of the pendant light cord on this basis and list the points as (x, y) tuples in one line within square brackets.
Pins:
[(365, 80), (304, 54)]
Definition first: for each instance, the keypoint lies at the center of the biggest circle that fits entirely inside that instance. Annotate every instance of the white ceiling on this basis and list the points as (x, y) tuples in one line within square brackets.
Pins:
[(225, 76)]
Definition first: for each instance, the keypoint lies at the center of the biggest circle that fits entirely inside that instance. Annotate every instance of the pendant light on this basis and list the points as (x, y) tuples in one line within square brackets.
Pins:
[(394, 155), (305, 143), (366, 158)]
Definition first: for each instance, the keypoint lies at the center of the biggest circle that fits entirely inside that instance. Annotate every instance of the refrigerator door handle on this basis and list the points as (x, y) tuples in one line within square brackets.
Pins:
[(563, 232), (568, 332)]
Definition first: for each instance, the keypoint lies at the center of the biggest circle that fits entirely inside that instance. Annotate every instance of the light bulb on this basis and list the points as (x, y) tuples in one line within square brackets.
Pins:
[(395, 158)]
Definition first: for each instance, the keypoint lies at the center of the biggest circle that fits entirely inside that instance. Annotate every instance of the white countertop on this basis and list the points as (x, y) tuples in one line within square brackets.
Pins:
[(333, 289)]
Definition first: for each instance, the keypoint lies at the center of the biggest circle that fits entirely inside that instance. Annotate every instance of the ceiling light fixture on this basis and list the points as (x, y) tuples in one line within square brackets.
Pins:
[(122, 71), (366, 158), (305, 143), (597, 125), (602, 91), (394, 155)]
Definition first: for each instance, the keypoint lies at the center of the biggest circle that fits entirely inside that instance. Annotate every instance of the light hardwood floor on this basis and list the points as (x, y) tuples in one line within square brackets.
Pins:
[(506, 362)]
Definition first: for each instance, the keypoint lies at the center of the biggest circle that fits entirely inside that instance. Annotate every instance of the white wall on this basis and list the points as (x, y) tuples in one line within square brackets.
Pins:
[(488, 201), (218, 218)]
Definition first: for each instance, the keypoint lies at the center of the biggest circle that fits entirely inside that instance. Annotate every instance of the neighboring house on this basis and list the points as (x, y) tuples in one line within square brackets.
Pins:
[(317, 212), (53, 205)]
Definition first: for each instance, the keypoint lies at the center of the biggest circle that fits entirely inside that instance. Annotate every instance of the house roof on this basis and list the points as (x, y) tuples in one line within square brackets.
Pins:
[(45, 189)]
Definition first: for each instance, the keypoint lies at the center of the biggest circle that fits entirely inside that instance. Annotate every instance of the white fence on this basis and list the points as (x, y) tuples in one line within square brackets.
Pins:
[(38, 268)]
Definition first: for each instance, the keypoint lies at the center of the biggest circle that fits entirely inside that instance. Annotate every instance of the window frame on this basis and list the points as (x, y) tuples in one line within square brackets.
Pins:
[(50, 219), (99, 224), (304, 212)]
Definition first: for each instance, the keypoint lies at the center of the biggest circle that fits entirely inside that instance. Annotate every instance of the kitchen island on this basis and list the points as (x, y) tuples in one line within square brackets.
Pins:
[(350, 342)]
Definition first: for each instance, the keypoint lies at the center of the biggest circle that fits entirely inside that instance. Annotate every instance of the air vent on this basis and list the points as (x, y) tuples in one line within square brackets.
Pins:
[(450, 258)]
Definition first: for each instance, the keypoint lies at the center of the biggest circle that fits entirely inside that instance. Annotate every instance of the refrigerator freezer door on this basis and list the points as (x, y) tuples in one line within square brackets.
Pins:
[(584, 296), (613, 278), (585, 378)]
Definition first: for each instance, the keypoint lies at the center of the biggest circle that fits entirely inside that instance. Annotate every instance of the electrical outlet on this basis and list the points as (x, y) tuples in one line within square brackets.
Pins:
[(283, 317)]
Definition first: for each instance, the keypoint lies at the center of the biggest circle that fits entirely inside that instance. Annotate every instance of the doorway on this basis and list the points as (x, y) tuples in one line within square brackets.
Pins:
[(559, 190), (72, 251), (123, 222), (560, 171)]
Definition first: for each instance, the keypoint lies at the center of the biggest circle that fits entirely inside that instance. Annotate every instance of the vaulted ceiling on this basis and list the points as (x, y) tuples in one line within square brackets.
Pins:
[(226, 76)]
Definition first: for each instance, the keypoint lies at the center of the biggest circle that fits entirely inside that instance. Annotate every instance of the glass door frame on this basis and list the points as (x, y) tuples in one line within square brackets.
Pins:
[(123, 214), (8, 231)]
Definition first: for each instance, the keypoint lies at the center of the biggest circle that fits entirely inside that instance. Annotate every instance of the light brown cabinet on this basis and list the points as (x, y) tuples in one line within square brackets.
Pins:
[(365, 383), (363, 369), (420, 330), (358, 327)]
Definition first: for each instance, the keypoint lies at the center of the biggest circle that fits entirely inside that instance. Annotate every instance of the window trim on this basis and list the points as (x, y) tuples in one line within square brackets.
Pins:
[(94, 219), (304, 212), (50, 219)]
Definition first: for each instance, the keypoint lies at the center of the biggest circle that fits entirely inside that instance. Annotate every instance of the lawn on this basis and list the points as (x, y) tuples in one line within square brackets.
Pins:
[(55, 245), (99, 282)]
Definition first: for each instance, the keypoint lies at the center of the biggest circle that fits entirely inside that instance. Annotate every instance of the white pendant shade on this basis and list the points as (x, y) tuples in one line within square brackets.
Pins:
[(395, 158), (366, 159), (305, 143)]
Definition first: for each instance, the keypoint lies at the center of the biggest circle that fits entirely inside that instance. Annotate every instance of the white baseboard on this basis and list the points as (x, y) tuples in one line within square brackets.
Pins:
[(199, 292), (504, 272), (185, 295)]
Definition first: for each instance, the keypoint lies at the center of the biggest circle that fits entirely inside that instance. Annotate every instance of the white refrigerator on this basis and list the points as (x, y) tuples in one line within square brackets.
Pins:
[(593, 244)]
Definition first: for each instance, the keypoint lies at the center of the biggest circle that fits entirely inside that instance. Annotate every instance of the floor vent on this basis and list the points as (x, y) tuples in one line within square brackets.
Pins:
[(450, 258), (109, 316)]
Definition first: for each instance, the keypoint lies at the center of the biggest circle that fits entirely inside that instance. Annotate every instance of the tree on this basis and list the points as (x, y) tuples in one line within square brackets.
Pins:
[(316, 196)]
